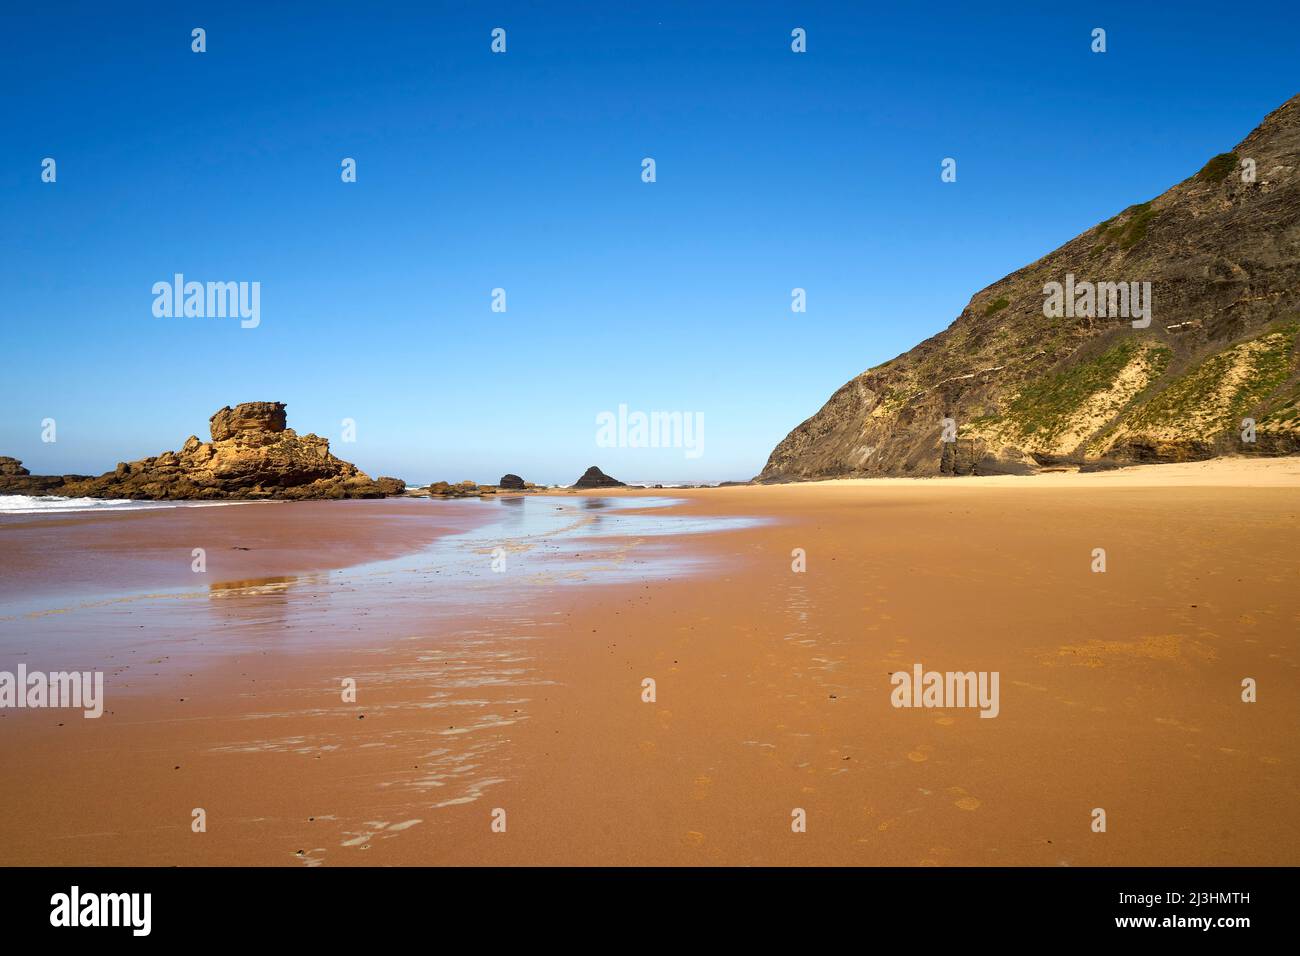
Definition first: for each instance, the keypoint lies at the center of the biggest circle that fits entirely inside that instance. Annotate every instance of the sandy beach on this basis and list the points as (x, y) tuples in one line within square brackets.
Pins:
[(522, 690)]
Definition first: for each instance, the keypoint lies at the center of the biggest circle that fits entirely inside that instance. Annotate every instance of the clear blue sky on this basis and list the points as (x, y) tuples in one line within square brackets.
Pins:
[(522, 171)]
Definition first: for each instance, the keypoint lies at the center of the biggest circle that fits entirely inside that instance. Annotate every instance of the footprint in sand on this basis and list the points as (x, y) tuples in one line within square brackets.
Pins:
[(703, 784), (964, 800), (920, 754)]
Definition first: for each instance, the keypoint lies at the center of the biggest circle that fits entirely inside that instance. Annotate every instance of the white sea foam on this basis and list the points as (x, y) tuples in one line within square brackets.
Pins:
[(53, 504)]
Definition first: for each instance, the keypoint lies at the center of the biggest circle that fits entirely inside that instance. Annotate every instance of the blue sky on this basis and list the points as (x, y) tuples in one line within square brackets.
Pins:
[(522, 171)]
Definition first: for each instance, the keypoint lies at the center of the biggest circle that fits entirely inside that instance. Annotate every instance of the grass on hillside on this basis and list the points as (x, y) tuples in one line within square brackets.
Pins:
[(1044, 407), (996, 306), (1218, 169), (1192, 397), (1126, 234)]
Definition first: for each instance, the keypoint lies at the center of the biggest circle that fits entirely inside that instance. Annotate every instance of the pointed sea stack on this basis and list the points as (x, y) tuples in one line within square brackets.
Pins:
[(593, 477)]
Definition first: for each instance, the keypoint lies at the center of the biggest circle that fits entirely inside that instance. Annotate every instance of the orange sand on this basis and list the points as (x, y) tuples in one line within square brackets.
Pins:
[(1118, 690)]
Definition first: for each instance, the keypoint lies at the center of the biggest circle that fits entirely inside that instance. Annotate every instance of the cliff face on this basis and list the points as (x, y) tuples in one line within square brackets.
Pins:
[(1023, 390), (251, 455)]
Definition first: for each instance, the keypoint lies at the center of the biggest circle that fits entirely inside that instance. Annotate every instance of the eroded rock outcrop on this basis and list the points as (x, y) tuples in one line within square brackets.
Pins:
[(251, 454), (391, 486), (251, 420), (458, 489), (511, 483)]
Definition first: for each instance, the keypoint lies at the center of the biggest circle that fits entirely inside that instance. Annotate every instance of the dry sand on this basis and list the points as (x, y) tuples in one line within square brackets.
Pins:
[(1119, 691)]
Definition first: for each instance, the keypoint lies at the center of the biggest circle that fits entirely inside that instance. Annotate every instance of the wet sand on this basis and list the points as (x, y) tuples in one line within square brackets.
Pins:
[(1119, 690), (107, 552)]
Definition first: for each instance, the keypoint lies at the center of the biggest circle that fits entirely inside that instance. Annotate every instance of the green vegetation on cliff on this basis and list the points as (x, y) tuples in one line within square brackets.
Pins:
[(1216, 392), (1046, 406)]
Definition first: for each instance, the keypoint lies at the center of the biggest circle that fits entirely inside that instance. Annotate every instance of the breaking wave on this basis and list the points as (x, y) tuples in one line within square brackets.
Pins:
[(53, 504)]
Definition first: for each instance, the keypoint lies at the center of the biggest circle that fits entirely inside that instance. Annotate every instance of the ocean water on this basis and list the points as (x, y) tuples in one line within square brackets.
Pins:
[(54, 504), (528, 547), (554, 540)]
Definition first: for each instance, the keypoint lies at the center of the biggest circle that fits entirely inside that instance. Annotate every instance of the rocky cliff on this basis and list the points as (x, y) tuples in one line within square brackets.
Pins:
[(252, 454), (1214, 371)]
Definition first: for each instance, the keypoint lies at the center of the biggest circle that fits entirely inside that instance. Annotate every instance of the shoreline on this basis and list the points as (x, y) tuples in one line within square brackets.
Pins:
[(1282, 471), (1232, 471)]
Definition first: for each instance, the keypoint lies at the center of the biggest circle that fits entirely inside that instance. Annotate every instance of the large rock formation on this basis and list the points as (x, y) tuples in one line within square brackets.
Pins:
[(251, 455), (1022, 390), (511, 483), (593, 477)]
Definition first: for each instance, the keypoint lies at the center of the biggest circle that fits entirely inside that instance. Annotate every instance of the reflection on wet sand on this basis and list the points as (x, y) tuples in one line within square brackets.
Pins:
[(258, 601), (252, 586)]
